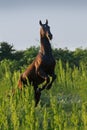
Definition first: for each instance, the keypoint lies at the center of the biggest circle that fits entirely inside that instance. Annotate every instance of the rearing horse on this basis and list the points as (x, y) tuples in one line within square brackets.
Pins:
[(43, 65)]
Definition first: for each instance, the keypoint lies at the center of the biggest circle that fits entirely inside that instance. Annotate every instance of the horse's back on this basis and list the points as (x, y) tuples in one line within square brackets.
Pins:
[(30, 70)]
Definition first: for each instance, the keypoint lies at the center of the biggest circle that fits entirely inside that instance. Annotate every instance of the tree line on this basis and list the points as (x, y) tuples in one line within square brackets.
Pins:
[(22, 58)]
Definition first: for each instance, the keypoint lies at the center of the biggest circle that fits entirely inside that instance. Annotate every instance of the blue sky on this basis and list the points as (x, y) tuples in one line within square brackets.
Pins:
[(19, 22)]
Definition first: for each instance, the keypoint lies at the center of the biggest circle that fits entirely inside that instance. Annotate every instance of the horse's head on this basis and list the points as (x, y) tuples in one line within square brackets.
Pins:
[(45, 30)]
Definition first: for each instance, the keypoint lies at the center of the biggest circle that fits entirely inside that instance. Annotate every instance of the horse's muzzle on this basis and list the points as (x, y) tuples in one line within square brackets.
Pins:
[(50, 36)]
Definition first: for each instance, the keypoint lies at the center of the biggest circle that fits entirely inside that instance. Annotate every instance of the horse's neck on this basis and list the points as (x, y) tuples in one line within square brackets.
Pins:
[(45, 46)]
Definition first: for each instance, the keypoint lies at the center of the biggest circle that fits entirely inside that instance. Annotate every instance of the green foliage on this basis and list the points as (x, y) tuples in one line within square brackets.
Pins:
[(30, 54), (25, 57), (63, 107)]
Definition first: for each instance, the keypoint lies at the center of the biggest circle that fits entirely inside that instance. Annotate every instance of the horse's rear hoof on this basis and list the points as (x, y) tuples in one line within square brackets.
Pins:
[(38, 90), (37, 96), (37, 99)]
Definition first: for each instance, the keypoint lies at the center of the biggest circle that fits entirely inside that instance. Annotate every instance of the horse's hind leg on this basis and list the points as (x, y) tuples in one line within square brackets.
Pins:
[(37, 94)]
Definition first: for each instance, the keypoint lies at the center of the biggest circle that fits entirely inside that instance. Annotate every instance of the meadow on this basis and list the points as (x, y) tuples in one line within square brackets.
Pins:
[(63, 107)]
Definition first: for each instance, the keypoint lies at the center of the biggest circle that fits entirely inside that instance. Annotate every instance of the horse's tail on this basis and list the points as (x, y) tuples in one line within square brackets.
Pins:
[(20, 83)]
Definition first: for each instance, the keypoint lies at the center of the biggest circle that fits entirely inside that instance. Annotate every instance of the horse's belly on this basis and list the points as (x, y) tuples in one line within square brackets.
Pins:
[(48, 60), (48, 67)]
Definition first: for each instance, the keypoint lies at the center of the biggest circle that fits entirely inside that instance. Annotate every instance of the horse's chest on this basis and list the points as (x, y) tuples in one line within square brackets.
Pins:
[(48, 61)]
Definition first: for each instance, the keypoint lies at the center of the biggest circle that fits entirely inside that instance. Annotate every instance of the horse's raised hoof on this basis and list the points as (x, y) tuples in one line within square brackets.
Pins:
[(49, 86)]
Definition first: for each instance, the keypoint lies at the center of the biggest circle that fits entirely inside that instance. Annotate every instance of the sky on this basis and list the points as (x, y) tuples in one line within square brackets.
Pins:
[(19, 22)]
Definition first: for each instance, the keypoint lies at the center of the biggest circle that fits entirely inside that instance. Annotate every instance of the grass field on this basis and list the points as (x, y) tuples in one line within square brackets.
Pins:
[(63, 107)]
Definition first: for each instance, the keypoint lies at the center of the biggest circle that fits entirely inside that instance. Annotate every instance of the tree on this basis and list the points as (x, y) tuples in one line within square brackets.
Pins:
[(30, 54), (6, 51)]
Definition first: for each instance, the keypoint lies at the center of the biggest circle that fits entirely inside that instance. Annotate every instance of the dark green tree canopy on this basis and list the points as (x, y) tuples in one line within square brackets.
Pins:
[(22, 58), (6, 51)]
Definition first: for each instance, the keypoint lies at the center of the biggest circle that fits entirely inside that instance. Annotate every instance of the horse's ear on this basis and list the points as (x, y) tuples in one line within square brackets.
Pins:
[(46, 21), (40, 22)]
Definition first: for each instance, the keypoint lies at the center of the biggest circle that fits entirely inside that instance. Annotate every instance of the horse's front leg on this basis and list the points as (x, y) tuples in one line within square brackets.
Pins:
[(50, 84), (41, 73), (46, 78)]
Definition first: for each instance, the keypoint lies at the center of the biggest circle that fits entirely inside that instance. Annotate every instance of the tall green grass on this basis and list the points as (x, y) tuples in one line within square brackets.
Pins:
[(63, 107)]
